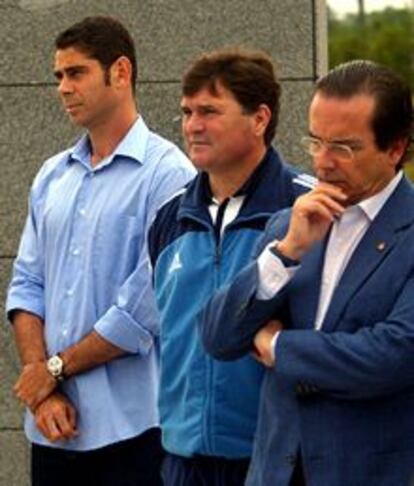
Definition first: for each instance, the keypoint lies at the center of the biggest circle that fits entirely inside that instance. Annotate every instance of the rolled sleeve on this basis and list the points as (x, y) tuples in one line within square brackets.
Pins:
[(26, 289), (26, 296), (133, 322), (121, 329)]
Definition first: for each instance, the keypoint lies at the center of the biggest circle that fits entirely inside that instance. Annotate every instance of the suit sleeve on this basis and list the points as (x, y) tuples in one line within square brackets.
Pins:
[(232, 317), (369, 363)]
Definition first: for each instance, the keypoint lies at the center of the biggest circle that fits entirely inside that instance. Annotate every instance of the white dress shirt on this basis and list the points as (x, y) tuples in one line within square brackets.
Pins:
[(347, 231)]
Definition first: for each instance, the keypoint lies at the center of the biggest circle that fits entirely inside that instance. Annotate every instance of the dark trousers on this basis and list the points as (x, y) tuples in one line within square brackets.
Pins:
[(203, 471), (298, 478), (133, 462)]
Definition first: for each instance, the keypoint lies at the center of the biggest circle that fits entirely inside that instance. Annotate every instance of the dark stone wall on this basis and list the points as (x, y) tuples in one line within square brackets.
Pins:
[(168, 35)]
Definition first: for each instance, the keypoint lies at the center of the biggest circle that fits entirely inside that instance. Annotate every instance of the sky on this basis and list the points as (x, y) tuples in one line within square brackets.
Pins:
[(342, 7)]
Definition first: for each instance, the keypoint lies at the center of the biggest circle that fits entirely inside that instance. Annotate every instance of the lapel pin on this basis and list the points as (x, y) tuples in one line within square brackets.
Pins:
[(381, 246)]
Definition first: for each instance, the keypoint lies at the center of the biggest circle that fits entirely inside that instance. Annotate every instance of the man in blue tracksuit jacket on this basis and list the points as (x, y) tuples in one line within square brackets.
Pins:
[(198, 242)]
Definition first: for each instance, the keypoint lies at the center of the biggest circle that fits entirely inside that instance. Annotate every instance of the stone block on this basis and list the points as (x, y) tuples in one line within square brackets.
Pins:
[(11, 412), (38, 128), (167, 34), (14, 458)]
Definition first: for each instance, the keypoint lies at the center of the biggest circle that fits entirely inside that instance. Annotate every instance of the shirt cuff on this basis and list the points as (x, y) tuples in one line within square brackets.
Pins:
[(273, 275), (273, 345), (120, 329), (32, 304)]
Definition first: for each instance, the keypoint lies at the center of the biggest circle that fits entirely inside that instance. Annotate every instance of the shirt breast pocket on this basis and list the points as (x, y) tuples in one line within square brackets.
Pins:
[(119, 243)]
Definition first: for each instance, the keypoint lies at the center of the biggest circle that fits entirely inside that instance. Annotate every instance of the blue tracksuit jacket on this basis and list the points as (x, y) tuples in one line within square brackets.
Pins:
[(206, 406)]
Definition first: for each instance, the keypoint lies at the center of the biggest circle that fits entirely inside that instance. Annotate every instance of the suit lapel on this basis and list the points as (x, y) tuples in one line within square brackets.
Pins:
[(378, 241)]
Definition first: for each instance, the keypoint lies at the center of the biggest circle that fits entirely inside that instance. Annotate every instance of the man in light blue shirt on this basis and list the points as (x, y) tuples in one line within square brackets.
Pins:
[(80, 299)]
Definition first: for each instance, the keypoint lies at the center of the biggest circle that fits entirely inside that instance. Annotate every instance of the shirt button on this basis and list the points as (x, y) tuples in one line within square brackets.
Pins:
[(64, 332), (76, 252), (69, 293), (82, 212)]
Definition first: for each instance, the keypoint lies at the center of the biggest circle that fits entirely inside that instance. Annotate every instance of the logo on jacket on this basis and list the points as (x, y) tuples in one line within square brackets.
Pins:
[(175, 264)]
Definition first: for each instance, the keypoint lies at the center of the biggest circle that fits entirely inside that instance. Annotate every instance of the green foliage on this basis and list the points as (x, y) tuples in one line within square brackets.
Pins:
[(384, 36), (409, 170)]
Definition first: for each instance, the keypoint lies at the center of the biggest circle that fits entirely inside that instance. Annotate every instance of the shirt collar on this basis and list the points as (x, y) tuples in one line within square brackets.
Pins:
[(246, 189), (132, 146), (372, 206)]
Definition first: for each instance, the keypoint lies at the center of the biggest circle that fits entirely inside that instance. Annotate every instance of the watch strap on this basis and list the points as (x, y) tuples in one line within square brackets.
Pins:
[(287, 262)]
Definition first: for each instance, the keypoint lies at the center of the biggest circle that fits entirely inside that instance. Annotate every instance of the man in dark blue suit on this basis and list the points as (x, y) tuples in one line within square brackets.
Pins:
[(328, 306)]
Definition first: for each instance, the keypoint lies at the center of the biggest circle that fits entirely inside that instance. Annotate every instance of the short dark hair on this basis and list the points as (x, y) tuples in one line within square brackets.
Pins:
[(102, 38), (393, 113), (249, 75)]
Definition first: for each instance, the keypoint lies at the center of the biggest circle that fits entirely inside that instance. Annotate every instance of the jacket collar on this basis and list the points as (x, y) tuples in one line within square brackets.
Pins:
[(258, 190)]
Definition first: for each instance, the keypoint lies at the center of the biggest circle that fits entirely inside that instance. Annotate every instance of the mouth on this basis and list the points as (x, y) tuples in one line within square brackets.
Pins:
[(337, 183), (198, 144), (329, 179), (70, 108)]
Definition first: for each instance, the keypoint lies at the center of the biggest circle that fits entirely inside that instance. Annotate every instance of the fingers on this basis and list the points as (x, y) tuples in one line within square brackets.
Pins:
[(56, 418), (48, 427), (326, 201), (333, 191), (312, 216), (29, 398), (263, 351), (274, 326), (34, 384), (56, 427), (71, 417)]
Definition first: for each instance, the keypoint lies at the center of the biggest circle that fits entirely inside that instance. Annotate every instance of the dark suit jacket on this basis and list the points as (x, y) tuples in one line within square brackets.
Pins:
[(342, 396)]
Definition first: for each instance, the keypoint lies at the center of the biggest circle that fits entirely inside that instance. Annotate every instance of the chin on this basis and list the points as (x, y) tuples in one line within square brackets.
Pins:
[(77, 121), (198, 163)]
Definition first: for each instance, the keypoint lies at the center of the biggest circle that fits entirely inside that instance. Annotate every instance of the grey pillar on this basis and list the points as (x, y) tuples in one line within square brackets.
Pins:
[(168, 35)]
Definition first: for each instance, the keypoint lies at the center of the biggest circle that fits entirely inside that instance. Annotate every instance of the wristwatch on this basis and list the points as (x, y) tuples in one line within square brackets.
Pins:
[(54, 366), (287, 262)]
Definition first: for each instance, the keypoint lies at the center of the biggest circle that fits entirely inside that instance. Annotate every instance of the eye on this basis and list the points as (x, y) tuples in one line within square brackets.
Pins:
[(74, 73), (185, 112), (315, 144), (208, 110), (341, 151), (355, 147)]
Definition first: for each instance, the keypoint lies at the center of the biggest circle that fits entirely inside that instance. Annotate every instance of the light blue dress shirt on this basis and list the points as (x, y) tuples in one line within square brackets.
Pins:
[(82, 264)]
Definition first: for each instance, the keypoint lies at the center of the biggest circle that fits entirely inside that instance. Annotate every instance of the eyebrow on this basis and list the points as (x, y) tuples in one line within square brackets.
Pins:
[(206, 106), (337, 140), (75, 68)]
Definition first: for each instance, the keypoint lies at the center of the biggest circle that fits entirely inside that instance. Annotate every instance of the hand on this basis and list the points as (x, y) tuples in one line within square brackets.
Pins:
[(34, 384), (312, 216), (55, 417), (263, 343)]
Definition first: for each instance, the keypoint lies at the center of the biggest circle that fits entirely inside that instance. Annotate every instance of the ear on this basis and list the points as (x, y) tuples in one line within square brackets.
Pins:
[(121, 72), (397, 149), (261, 119)]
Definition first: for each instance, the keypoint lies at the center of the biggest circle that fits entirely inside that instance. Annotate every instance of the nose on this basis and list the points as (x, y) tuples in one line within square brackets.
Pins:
[(65, 86), (323, 159), (192, 123)]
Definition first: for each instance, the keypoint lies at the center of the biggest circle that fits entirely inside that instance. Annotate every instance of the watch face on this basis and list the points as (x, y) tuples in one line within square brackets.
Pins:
[(55, 365)]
